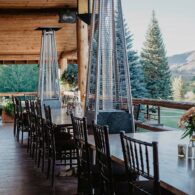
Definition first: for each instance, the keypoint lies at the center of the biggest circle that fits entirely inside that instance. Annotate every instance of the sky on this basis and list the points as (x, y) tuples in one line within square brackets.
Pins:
[(176, 20)]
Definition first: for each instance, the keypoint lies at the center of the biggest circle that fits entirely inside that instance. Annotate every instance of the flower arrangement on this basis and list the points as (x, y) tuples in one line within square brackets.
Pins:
[(8, 107), (187, 121)]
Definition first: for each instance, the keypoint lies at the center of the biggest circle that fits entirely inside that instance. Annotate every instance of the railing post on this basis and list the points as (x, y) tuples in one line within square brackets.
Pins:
[(147, 112), (158, 115)]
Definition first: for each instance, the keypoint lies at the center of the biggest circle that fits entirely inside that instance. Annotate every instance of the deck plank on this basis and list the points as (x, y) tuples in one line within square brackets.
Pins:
[(20, 176)]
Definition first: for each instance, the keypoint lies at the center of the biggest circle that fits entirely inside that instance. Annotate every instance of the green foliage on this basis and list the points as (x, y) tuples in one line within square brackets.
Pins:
[(177, 86), (189, 127), (136, 74), (8, 107), (155, 65), (18, 78), (70, 76), (138, 86)]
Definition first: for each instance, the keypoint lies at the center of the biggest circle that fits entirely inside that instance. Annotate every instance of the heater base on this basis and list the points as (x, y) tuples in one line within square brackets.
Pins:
[(116, 120)]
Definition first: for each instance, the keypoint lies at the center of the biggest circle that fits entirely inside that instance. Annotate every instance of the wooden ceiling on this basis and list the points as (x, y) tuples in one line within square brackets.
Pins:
[(37, 4), (19, 41)]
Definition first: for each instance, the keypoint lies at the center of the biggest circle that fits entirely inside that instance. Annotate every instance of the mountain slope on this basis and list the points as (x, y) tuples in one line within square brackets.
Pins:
[(183, 64)]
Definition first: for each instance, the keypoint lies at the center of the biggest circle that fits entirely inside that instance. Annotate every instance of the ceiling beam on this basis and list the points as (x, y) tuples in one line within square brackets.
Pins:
[(14, 11), (69, 54), (11, 62)]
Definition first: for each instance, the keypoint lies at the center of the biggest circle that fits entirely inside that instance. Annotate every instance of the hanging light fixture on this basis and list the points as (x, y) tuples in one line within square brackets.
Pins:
[(85, 10), (67, 15), (48, 85)]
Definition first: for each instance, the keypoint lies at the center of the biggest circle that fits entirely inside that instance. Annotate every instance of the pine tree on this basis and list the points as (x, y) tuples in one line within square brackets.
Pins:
[(155, 65), (138, 86), (15, 78)]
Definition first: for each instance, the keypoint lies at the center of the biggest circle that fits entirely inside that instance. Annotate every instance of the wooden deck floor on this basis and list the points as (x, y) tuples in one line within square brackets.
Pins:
[(20, 176)]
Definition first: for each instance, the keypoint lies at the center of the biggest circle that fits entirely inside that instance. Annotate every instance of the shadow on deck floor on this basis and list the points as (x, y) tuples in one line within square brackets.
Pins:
[(20, 176)]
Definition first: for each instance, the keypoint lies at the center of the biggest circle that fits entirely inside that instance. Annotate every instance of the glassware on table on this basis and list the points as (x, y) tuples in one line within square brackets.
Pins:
[(181, 150), (191, 149)]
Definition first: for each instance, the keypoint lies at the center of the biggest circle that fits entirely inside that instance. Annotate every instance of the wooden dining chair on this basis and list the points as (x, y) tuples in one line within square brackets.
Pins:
[(27, 107), (112, 175), (88, 174), (15, 115), (142, 158), (33, 130), (61, 145), (22, 123), (103, 158), (40, 142)]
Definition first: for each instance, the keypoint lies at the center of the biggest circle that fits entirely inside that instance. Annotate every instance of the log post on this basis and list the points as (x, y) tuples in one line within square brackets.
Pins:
[(63, 63), (82, 56)]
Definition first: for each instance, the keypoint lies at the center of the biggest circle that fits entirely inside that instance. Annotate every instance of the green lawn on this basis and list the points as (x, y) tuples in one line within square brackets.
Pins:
[(170, 117)]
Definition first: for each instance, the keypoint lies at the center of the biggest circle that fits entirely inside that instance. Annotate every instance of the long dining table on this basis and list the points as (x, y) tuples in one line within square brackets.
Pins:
[(60, 116), (176, 174)]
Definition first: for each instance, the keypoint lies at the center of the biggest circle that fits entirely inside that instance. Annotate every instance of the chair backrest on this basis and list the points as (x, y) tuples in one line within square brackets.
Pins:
[(47, 110), (19, 110), (103, 158), (27, 107), (81, 139), (49, 131), (14, 103), (39, 119), (32, 107), (38, 108), (80, 128), (141, 158)]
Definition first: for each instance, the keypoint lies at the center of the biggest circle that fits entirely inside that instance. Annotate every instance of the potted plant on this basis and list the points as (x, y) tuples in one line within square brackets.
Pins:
[(7, 111), (187, 121)]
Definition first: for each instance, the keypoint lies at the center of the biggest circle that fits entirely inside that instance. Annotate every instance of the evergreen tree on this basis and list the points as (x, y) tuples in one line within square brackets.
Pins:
[(138, 87), (154, 62), (15, 78)]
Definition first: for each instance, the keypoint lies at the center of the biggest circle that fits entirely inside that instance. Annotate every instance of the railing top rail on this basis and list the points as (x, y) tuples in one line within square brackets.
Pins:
[(164, 103), (18, 94)]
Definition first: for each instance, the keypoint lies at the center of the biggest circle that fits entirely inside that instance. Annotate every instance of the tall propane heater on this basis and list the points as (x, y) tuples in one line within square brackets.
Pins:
[(108, 97), (48, 86)]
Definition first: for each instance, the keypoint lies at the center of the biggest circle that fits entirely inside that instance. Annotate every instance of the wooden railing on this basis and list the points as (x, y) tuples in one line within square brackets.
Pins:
[(147, 102), (158, 104), (18, 94), (164, 103)]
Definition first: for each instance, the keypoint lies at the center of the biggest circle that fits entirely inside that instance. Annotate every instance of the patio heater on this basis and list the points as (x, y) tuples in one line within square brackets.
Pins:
[(48, 85), (108, 96)]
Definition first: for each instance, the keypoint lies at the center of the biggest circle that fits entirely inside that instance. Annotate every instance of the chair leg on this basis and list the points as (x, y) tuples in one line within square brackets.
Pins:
[(36, 152), (70, 159), (14, 126), (18, 133), (53, 173), (28, 144), (39, 158), (33, 151), (30, 147), (43, 160), (22, 134), (48, 168)]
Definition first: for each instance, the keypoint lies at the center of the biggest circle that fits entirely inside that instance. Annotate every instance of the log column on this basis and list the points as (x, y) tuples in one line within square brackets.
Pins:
[(82, 56), (63, 63)]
